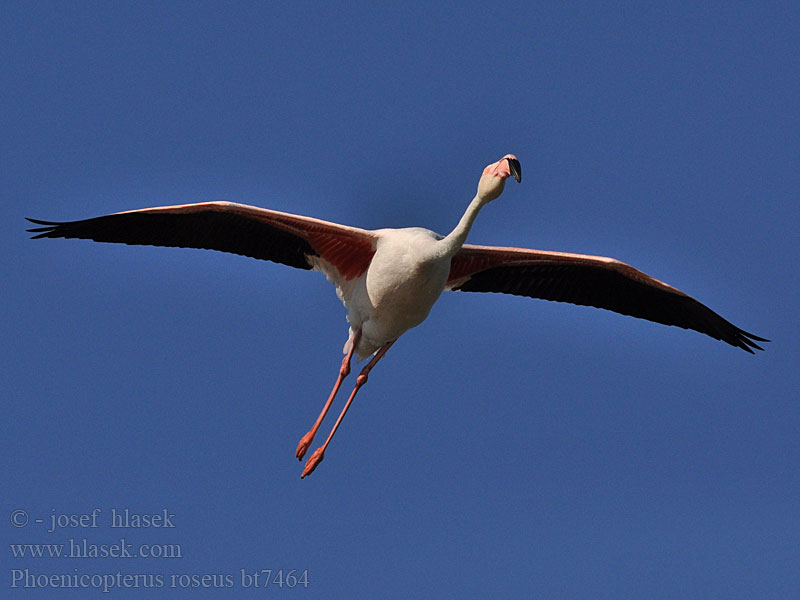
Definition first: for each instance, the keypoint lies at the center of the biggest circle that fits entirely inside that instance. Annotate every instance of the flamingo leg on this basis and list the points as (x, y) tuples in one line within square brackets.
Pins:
[(344, 371), (319, 453)]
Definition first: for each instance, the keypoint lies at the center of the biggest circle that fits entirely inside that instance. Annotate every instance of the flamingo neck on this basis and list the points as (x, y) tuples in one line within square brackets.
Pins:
[(455, 239)]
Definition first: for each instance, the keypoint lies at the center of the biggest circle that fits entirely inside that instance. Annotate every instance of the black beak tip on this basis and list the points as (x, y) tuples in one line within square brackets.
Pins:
[(516, 169)]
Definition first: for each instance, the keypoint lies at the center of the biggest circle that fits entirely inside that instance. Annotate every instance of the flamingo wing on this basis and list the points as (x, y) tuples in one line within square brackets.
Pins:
[(229, 227), (590, 281)]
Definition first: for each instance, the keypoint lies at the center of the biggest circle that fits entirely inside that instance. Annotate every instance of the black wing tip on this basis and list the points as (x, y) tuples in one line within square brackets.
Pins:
[(49, 228), (747, 341)]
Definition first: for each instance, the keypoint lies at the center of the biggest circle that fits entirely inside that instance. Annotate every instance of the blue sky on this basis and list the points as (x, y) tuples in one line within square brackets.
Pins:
[(506, 446)]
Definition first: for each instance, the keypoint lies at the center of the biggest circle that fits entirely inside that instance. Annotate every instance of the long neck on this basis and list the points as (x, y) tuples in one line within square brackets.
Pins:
[(455, 239)]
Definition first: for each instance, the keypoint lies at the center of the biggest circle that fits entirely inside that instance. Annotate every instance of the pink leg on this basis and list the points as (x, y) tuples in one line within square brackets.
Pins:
[(319, 453), (344, 371)]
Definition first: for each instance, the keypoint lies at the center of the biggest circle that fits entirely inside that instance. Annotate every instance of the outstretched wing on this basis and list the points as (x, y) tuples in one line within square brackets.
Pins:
[(590, 281), (229, 227)]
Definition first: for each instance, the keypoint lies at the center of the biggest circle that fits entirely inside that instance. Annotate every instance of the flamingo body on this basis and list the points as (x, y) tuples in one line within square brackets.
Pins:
[(389, 279), (398, 290)]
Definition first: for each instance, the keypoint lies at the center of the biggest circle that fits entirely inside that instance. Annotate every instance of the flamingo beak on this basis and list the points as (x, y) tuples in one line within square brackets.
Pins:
[(515, 168)]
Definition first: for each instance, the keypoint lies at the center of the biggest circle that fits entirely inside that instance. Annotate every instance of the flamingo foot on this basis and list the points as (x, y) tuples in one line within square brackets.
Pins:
[(302, 447), (312, 463)]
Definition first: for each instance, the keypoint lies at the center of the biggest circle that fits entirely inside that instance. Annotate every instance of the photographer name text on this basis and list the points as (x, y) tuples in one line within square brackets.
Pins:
[(116, 518)]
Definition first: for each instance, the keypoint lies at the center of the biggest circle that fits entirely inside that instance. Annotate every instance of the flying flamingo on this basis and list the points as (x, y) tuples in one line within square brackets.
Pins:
[(388, 279)]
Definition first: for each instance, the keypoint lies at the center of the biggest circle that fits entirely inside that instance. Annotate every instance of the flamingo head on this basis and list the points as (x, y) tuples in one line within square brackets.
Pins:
[(494, 177)]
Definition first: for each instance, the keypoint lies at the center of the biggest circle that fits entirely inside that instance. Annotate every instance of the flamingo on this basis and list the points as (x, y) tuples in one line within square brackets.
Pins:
[(389, 279)]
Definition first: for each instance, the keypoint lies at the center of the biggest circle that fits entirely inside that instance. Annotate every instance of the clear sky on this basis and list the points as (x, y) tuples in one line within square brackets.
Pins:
[(507, 446)]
